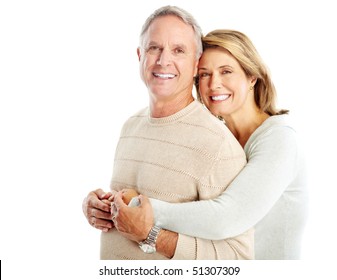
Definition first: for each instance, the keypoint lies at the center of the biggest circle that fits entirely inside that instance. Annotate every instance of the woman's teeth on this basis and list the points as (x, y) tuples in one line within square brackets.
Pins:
[(220, 97)]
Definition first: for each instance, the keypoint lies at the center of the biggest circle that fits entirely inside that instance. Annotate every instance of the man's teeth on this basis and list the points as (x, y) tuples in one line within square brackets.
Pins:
[(164, 76), (219, 97)]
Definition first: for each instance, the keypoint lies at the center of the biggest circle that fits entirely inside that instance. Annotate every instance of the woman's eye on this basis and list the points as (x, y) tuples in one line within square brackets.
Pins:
[(203, 75)]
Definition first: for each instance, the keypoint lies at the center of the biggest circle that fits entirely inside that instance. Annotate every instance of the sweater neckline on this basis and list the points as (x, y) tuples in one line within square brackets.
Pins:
[(175, 117)]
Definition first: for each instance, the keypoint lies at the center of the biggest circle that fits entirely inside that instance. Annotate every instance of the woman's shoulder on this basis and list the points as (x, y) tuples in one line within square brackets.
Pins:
[(276, 129), (276, 124), (277, 121)]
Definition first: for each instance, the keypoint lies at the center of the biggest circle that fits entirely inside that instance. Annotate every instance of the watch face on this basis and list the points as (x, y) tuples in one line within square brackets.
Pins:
[(147, 248)]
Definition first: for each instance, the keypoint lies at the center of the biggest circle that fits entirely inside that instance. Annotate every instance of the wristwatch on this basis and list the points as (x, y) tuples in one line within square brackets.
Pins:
[(149, 244)]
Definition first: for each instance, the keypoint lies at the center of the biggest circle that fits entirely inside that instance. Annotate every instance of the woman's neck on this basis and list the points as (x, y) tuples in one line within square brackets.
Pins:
[(243, 125)]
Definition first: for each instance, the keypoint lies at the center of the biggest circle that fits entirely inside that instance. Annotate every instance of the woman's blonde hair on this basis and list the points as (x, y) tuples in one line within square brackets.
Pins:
[(243, 50)]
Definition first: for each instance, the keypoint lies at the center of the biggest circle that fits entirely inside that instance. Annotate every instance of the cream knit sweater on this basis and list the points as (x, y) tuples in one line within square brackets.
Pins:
[(187, 156)]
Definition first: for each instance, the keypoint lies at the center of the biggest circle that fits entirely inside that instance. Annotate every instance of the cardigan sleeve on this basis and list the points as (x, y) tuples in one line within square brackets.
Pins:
[(272, 164), (237, 248)]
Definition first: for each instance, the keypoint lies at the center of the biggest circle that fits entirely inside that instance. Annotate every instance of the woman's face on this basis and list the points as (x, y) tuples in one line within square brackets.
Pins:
[(223, 86)]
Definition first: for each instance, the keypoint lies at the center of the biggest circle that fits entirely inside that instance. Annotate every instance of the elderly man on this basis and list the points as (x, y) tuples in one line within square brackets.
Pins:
[(174, 150)]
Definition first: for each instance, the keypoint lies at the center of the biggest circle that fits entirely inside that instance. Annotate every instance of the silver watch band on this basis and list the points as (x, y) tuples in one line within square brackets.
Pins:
[(153, 235), (149, 244)]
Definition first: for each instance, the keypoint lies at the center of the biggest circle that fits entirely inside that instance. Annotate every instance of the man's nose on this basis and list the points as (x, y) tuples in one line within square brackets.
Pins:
[(165, 58)]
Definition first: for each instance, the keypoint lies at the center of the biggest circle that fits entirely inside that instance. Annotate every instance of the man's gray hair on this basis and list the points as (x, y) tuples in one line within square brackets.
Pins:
[(180, 13)]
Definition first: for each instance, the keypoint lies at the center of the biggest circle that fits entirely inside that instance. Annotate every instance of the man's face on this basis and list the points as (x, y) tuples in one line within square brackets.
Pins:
[(168, 58)]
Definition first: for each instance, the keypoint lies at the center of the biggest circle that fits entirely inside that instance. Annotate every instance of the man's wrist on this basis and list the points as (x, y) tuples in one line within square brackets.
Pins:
[(167, 243), (149, 244)]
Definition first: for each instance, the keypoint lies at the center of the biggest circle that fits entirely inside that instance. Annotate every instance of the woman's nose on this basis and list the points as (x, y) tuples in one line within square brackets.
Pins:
[(215, 82)]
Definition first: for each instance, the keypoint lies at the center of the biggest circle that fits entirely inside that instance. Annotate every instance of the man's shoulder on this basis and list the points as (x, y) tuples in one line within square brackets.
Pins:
[(204, 119), (140, 114), (144, 112), (212, 132), (135, 120)]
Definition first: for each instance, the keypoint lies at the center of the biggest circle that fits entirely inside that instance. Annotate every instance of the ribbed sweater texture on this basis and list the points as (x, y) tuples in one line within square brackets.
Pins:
[(184, 157)]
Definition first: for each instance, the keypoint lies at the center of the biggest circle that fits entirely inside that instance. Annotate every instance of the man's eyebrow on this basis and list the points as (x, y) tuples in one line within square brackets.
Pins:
[(178, 45), (183, 46), (151, 43)]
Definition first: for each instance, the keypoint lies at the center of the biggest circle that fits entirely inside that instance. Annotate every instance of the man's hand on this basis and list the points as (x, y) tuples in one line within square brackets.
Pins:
[(133, 223), (96, 208)]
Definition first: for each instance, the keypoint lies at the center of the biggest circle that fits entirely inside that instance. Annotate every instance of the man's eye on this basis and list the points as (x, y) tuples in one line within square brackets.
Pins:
[(178, 51), (153, 49)]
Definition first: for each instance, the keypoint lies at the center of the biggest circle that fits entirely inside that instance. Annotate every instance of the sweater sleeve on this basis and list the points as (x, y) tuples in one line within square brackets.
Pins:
[(272, 159)]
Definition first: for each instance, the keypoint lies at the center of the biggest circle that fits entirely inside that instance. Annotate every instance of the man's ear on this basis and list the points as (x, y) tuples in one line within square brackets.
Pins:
[(139, 53), (196, 69)]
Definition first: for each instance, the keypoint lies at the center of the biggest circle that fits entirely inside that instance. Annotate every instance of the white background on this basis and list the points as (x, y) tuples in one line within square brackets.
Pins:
[(69, 79)]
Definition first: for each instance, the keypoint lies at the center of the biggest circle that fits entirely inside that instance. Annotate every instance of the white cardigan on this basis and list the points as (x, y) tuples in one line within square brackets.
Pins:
[(269, 194)]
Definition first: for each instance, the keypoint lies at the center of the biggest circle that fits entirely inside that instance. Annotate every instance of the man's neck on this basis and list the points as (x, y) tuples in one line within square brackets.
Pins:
[(161, 109)]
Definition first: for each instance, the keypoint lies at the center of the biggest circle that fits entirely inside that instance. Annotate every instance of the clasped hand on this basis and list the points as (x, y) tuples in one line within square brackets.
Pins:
[(133, 223)]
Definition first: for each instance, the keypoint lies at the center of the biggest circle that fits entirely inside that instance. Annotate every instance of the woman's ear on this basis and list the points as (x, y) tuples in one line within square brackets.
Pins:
[(253, 80)]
